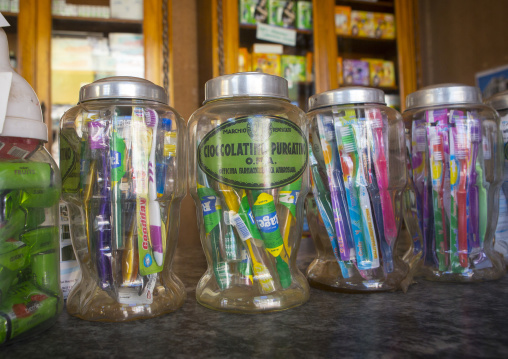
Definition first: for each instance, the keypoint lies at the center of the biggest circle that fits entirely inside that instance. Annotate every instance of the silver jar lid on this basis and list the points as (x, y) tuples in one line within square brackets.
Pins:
[(498, 101), (123, 87), (443, 94), (347, 95), (246, 84)]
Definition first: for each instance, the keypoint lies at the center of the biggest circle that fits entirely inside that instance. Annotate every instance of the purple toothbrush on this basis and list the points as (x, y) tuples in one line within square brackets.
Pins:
[(99, 145), (474, 203)]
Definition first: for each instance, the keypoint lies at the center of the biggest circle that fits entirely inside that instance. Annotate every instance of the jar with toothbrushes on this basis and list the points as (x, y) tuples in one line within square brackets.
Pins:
[(248, 173), (357, 159), (457, 159), (499, 102), (30, 295), (123, 167)]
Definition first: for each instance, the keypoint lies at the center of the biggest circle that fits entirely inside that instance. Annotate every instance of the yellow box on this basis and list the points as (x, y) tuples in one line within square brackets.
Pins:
[(267, 63), (342, 20)]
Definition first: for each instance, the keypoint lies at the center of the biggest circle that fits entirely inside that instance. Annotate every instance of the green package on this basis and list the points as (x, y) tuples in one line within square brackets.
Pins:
[(294, 68), (34, 218), (40, 197), (7, 277), (13, 226), (248, 11), (45, 270), (15, 175), (24, 308), (41, 239), (304, 15), (288, 195), (13, 254), (70, 155)]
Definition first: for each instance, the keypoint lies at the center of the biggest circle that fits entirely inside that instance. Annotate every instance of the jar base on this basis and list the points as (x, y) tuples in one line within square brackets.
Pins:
[(470, 276), (248, 300), (98, 305)]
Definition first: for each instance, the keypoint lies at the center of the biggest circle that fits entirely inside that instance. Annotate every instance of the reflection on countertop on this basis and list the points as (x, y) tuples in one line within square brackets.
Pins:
[(430, 320)]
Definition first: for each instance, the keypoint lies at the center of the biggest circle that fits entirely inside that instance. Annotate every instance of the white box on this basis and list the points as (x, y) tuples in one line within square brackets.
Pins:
[(5, 5), (127, 9)]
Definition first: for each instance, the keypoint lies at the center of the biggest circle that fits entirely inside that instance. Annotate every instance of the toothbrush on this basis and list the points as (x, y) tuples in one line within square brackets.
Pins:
[(418, 160), (330, 156), (361, 181), (381, 166), (164, 170), (473, 194), (118, 162), (349, 159), (461, 154), (154, 211), (98, 140), (239, 216), (321, 196), (211, 210), (288, 196)]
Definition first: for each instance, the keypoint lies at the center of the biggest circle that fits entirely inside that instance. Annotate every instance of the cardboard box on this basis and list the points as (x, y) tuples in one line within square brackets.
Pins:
[(244, 60), (304, 15), (5, 5), (264, 48), (384, 26), (247, 11), (127, 9), (342, 20), (282, 13), (362, 23), (356, 72), (382, 73), (294, 68), (267, 63)]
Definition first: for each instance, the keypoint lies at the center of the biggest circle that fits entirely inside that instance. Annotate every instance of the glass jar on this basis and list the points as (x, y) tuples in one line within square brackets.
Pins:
[(457, 161), (249, 180), (358, 170), (500, 103), (122, 155), (30, 187)]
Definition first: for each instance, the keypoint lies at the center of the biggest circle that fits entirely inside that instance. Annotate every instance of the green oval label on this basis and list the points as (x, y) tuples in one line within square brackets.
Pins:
[(254, 152)]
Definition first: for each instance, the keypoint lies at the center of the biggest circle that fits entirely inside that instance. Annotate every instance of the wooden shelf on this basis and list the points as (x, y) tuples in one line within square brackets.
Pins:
[(254, 27), (71, 23), (363, 38), (377, 6), (358, 47)]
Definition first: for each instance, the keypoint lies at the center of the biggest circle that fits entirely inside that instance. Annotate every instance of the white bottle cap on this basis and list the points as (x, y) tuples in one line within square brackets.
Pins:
[(22, 116)]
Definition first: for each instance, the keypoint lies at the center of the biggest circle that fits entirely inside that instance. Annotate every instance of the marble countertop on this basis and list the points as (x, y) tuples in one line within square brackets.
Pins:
[(430, 320)]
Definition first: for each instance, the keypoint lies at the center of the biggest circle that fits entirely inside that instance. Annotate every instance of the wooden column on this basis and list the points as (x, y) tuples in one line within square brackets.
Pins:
[(34, 52), (407, 42), (325, 45)]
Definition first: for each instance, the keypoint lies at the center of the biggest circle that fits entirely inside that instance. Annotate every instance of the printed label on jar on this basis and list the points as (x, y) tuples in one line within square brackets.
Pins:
[(255, 152)]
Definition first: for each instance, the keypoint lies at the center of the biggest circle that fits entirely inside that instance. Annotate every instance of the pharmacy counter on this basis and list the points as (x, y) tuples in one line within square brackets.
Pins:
[(431, 319)]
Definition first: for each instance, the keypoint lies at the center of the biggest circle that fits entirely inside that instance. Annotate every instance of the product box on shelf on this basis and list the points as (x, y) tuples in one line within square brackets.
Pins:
[(362, 23), (356, 72), (247, 11), (342, 20), (282, 13), (304, 15), (126, 9), (5, 5), (244, 60), (384, 25), (382, 72), (340, 76), (294, 68), (267, 63)]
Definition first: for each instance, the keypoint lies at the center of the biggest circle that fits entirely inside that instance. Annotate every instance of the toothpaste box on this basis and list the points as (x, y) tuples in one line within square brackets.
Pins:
[(282, 13), (294, 68), (356, 72), (362, 23), (304, 15), (247, 11), (384, 26), (382, 73), (267, 63), (342, 20)]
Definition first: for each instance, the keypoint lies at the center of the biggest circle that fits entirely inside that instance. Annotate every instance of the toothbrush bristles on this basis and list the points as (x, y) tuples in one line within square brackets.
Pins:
[(348, 140)]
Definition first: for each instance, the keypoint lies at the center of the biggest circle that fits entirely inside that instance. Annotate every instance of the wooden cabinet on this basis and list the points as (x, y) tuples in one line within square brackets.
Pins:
[(35, 24), (326, 45)]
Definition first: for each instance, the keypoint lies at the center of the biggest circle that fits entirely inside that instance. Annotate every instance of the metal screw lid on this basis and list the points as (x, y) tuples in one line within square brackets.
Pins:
[(347, 95), (443, 94), (123, 87), (246, 84), (498, 101)]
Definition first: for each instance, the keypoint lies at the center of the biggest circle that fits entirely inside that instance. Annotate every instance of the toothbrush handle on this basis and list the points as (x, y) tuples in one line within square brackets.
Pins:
[(390, 225), (462, 222), (474, 233), (155, 216)]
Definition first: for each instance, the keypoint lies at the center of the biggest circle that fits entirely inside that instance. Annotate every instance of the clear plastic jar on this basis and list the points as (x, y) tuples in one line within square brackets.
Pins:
[(457, 160), (358, 171), (123, 176), (500, 103), (248, 178), (30, 187)]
